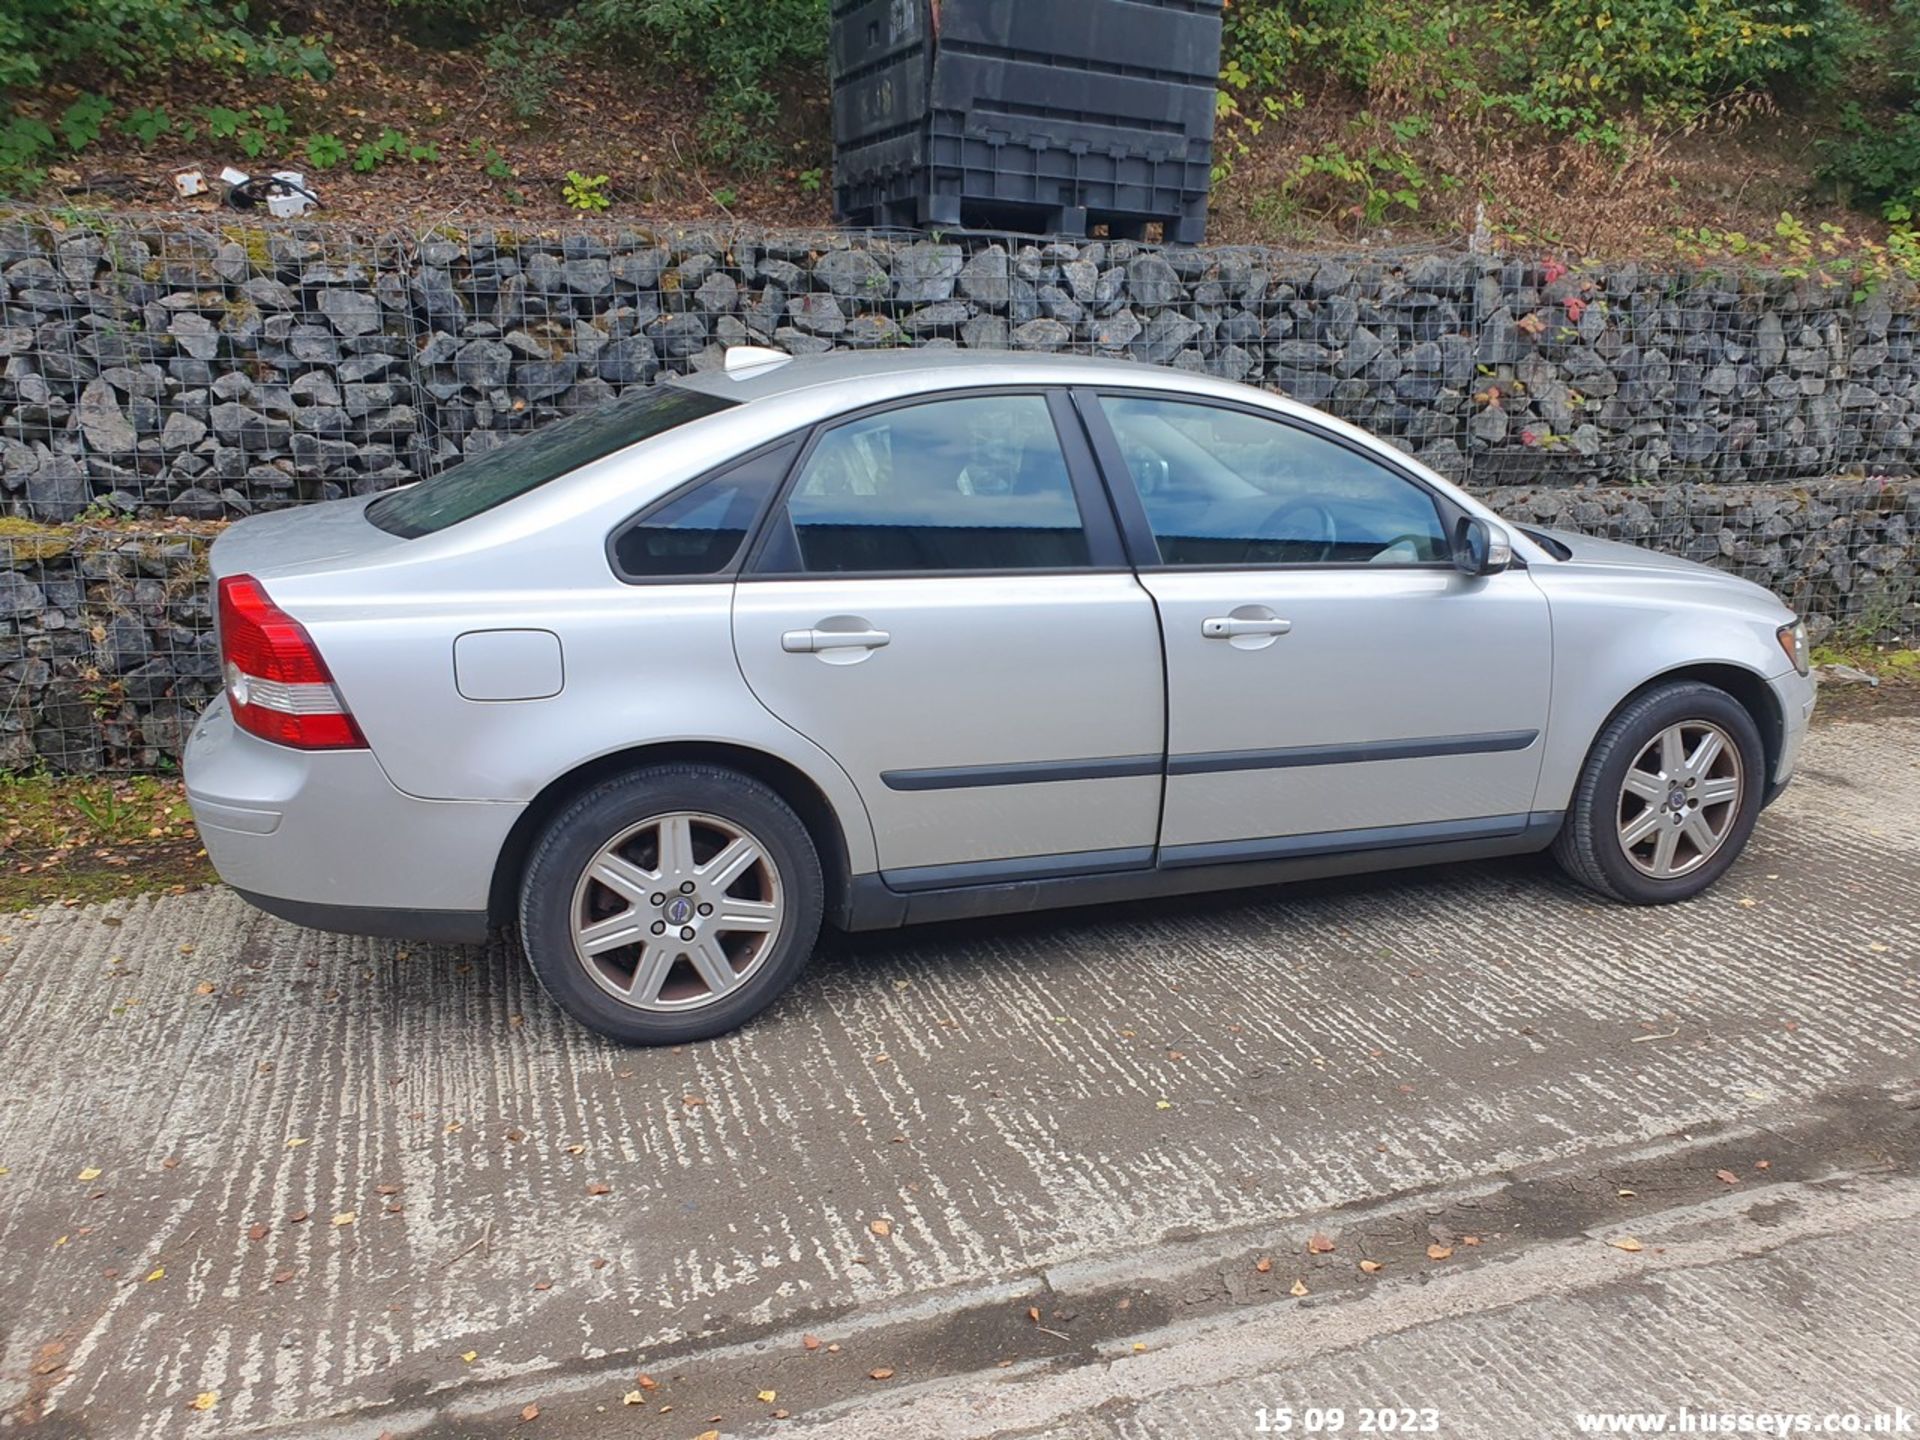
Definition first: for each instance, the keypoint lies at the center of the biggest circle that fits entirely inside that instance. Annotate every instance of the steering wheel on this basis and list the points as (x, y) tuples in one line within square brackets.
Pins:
[(1324, 533)]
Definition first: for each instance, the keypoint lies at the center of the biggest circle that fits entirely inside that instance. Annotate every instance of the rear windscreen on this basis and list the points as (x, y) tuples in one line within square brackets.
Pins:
[(530, 461)]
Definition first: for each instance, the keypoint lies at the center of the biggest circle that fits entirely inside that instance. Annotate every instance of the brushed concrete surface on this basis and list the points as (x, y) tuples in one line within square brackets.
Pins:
[(524, 1211)]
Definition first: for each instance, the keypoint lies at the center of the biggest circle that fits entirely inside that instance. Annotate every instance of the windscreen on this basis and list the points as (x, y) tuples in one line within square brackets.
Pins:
[(530, 461)]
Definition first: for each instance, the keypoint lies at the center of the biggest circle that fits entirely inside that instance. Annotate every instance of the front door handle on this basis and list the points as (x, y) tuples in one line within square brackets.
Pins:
[(812, 642), (1226, 627)]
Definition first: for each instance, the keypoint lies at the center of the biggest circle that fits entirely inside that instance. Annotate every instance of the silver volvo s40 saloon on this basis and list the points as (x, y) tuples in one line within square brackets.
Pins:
[(877, 639)]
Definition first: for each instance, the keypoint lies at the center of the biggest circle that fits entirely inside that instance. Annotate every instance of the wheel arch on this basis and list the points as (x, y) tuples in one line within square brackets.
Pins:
[(1750, 688), (784, 778)]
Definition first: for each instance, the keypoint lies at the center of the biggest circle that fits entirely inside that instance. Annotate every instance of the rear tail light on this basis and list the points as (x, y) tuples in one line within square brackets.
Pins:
[(277, 685)]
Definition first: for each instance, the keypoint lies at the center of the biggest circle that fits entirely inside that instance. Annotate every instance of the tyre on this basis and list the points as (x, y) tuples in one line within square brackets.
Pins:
[(1667, 798), (670, 904)]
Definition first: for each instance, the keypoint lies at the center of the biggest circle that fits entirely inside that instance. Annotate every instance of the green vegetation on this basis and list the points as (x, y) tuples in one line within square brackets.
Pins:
[(86, 839), (586, 192), (1591, 87)]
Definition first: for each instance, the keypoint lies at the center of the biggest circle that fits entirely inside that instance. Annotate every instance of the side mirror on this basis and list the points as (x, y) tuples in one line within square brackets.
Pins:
[(1480, 548)]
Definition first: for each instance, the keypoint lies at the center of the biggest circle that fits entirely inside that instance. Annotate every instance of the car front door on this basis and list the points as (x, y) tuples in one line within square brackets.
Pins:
[(1333, 681), (941, 602)]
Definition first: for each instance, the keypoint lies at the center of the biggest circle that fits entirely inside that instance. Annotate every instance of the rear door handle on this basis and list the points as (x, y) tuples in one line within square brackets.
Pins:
[(1226, 627), (812, 642)]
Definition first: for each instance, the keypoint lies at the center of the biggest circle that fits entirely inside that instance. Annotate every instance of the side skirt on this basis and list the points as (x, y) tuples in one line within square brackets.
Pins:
[(1193, 870)]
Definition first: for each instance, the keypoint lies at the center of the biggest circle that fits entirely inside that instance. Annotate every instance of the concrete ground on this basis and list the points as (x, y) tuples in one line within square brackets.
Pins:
[(1085, 1175)]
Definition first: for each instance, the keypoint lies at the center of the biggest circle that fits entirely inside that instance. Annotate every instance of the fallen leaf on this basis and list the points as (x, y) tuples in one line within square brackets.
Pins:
[(1627, 1194), (345, 1217), (1439, 1252), (767, 1397), (1627, 1243), (469, 1356), (205, 1400), (294, 1142), (708, 1435), (1033, 1313), (1299, 1287), (882, 1228), (281, 1277), (599, 1187), (1372, 1267), (647, 1382), (298, 1217), (576, 1149), (1163, 1105), (543, 1285), (158, 1273), (1139, 1347), (1469, 1239), (205, 987), (810, 1342), (90, 1173), (1320, 1245), (781, 1414), (531, 1412), (1264, 1265), (633, 1397), (1726, 1177), (883, 1373), (257, 1232), (1763, 1164), (386, 1189)]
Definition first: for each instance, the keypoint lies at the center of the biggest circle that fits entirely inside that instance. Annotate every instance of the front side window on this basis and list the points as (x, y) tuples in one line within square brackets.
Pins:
[(529, 461), (701, 530), (977, 483), (1222, 487)]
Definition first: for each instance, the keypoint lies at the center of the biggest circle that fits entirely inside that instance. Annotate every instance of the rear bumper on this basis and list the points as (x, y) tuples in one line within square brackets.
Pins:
[(324, 839)]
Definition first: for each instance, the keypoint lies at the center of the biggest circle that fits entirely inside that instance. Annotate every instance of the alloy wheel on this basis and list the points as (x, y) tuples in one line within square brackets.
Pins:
[(1679, 800), (677, 912)]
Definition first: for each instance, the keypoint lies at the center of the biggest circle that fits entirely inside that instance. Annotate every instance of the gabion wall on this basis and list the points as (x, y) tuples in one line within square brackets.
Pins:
[(199, 370)]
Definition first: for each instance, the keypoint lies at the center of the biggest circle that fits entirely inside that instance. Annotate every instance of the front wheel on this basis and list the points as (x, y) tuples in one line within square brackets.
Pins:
[(1668, 796), (671, 904)]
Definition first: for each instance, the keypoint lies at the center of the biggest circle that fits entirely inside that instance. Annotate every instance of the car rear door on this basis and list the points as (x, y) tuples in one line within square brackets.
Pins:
[(1333, 681), (941, 602)]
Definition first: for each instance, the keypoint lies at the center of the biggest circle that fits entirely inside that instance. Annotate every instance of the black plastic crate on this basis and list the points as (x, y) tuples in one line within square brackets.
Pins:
[(1042, 115)]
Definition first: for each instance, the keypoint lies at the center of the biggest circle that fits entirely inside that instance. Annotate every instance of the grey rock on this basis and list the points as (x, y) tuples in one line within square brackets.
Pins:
[(628, 361), (103, 422), (590, 277), (195, 334), (639, 269), (985, 332), (817, 314), (1166, 335), (352, 312), (182, 432), (1041, 335), (987, 278), (851, 274), (1151, 282), (941, 315), (926, 271)]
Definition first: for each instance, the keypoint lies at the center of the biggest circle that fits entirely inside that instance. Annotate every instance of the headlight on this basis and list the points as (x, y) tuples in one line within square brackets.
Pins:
[(1793, 640)]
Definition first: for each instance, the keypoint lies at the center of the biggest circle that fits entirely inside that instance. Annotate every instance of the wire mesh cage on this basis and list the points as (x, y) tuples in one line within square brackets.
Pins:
[(160, 376)]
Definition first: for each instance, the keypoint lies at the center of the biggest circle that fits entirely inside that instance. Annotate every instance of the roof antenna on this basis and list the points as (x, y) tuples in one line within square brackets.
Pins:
[(744, 358)]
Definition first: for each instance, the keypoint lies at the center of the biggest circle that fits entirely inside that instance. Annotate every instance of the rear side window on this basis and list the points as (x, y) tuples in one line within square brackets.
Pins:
[(701, 529), (977, 483), (530, 461)]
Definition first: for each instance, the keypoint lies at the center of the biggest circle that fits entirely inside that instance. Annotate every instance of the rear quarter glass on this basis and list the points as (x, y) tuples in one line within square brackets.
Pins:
[(529, 461)]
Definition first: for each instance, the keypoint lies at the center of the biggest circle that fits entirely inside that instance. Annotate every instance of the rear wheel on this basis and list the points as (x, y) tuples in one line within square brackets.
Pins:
[(1667, 798), (671, 904)]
